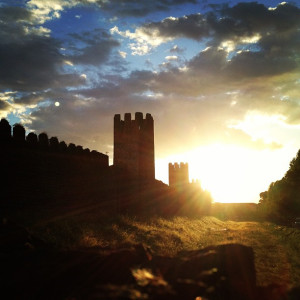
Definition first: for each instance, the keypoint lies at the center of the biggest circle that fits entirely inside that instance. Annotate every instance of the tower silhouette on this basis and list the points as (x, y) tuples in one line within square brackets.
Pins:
[(178, 174), (134, 144)]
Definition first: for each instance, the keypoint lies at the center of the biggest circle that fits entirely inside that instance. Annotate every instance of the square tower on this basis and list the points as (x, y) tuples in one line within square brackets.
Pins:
[(178, 174), (134, 144)]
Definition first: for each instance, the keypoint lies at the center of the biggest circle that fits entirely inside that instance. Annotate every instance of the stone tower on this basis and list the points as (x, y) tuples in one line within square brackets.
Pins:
[(178, 174), (134, 144)]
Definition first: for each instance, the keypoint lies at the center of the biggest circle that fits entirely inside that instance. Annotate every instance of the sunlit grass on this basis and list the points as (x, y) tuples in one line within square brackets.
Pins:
[(276, 250), (290, 240)]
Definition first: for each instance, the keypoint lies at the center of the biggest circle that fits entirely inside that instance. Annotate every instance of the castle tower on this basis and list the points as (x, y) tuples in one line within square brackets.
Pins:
[(178, 174), (134, 144)]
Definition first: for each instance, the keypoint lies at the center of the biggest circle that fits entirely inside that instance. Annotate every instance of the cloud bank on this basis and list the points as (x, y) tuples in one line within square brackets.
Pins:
[(245, 60)]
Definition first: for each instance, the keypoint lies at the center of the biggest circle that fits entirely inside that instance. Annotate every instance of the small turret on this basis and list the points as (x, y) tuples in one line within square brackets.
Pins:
[(178, 174)]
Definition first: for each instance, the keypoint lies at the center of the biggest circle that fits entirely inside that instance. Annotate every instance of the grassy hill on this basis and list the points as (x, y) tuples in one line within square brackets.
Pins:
[(276, 248)]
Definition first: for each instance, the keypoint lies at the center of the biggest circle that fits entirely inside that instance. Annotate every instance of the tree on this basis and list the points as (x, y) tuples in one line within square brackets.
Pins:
[(282, 200)]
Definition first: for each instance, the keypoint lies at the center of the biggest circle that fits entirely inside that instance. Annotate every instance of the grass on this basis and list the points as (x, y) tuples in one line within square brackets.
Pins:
[(290, 240), (276, 248)]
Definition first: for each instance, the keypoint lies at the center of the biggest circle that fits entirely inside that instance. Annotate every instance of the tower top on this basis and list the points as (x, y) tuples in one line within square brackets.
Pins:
[(138, 116)]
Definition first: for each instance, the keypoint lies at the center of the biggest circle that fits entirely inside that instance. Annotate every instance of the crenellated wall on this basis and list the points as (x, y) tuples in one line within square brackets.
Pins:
[(134, 144), (178, 174), (16, 137)]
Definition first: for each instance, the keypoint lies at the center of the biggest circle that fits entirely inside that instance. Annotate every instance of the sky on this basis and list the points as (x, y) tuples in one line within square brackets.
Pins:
[(221, 80)]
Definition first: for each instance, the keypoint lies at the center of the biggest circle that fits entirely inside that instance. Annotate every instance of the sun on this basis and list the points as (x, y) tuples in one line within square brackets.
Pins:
[(231, 173), (224, 170)]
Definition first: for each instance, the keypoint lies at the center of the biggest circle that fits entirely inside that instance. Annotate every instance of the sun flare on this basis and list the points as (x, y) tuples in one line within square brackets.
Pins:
[(231, 173)]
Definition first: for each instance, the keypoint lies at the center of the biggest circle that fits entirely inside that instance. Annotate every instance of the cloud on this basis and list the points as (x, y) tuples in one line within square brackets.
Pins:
[(45, 10), (241, 138), (254, 64), (97, 48), (143, 42), (32, 60), (4, 104), (239, 26), (122, 54), (29, 58), (137, 8), (171, 57), (248, 60), (176, 49), (34, 64), (194, 26)]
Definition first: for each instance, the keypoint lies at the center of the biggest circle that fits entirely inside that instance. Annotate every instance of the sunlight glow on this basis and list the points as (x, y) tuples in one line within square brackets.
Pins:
[(232, 173)]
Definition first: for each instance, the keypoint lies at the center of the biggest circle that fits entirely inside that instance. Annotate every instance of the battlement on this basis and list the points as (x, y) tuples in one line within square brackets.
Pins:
[(134, 144), (15, 137), (177, 166), (178, 174), (139, 123)]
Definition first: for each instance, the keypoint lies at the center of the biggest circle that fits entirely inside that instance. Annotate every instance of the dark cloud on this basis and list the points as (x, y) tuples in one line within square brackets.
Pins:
[(15, 23), (98, 47), (254, 64), (211, 60), (118, 87), (243, 20), (33, 64), (29, 98), (193, 26), (4, 105), (29, 59), (9, 14), (257, 17), (138, 8)]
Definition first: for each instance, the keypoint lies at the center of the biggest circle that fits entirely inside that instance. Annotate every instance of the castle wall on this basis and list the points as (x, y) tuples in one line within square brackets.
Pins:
[(42, 142), (134, 144)]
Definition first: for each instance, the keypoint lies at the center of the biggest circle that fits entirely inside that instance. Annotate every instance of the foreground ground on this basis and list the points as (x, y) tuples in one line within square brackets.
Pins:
[(276, 248)]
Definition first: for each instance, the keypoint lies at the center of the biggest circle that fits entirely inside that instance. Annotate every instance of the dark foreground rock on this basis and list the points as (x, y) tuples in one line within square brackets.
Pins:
[(31, 270)]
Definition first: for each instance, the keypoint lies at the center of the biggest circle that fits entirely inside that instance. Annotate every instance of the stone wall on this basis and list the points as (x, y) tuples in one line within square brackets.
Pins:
[(16, 137)]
